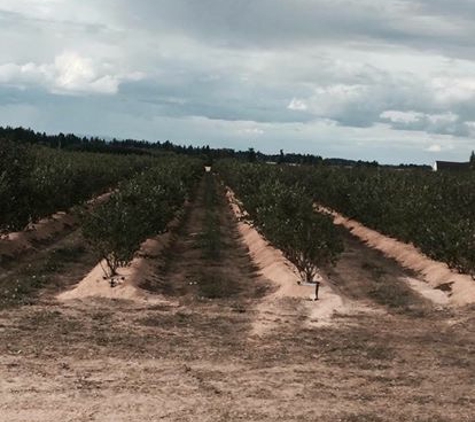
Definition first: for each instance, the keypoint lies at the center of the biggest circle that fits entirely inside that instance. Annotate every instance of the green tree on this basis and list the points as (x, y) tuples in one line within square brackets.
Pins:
[(251, 155)]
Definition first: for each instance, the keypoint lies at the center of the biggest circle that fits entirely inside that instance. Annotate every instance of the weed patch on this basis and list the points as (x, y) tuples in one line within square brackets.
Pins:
[(216, 286), (210, 239), (23, 285)]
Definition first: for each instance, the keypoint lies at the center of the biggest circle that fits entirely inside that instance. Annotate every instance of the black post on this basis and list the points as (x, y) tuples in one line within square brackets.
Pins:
[(317, 286)]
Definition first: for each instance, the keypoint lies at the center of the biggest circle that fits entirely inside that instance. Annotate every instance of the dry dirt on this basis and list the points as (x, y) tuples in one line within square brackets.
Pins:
[(461, 287), (195, 357)]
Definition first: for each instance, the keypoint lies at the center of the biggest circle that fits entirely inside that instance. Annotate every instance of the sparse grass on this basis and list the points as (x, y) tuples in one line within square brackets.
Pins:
[(23, 285), (376, 271), (387, 290), (60, 256), (178, 319), (101, 317), (361, 417), (40, 320), (21, 288), (210, 239), (47, 321), (206, 259), (167, 254), (399, 298), (375, 417), (360, 350), (215, 285), (391, 295)]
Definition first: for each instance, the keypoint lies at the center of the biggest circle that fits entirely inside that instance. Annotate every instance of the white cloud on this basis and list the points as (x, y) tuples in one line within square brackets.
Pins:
[(70, 73), (74, 73), (447, 123), (28, 73), (297, 104), (434, 148), (66, 11), (444, 145), (251, 131), (452, 90), (329, 100), (443, 118), (338, 102), (396, 116)]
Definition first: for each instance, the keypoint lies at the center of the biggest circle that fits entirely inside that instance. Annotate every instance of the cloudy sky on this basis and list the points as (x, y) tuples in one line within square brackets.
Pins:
[(391, 80)]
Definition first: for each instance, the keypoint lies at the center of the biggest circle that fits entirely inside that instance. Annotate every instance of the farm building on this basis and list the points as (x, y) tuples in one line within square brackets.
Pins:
[(450, 165)]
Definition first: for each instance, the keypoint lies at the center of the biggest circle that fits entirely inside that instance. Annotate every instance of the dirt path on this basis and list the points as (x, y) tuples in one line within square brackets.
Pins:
[(366, 275), (460, 288), (208, 260), (192, 359)]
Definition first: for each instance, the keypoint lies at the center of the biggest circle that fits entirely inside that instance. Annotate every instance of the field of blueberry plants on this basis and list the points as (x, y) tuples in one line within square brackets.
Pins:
[(434, 211), (184, 289)]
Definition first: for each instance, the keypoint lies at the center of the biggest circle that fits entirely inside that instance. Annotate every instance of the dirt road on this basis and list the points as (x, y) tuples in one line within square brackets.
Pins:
[(194, 357)]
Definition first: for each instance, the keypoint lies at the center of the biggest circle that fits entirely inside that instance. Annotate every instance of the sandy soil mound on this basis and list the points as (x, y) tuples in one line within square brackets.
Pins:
[(424, 289), (460, 287), (16, 243), (126, 284), (283, 274)]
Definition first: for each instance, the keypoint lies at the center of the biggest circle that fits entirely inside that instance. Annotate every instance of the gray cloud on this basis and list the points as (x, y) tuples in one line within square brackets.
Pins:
[(444, 26), (277, 72)]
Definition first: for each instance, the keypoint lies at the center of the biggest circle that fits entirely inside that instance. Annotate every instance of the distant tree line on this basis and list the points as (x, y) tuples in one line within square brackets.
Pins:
[(131, 146)]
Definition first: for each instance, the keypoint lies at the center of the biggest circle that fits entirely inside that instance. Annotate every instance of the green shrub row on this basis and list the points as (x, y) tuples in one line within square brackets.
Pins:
[(284, 214), (141, 207), (37, 181), (433, 210)]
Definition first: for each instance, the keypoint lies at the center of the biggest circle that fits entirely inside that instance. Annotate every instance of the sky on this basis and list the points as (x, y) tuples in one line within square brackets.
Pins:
[(385, 80)]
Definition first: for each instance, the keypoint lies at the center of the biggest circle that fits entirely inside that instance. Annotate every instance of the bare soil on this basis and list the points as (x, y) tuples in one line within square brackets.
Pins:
[(460, 288), (195, 357)]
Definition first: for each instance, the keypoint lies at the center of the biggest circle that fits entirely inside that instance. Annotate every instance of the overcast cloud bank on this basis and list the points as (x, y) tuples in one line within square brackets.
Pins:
[(391, 80)]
